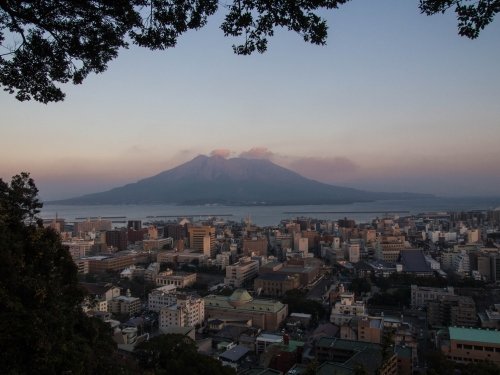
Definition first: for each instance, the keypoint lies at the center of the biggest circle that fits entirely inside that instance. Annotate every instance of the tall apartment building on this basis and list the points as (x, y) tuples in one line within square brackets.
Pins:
[(176, 231), (352, 251), (450, 310), (202, 239), (78, 248), (242, 272), (187, 311), (118, 239), (162, 297), (134, 224), (312, 236), (388, 248)]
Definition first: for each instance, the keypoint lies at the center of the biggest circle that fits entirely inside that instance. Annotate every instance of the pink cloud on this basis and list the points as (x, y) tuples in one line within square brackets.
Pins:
[(257, 153), (225, 153)]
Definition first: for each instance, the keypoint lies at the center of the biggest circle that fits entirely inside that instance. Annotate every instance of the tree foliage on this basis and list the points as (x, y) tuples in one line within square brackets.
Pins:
[(51, 42), (176, 354), (42, 327), (298, 303)]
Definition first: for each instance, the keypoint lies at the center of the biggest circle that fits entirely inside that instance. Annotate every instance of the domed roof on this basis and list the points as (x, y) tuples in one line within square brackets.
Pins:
[(239, 298)]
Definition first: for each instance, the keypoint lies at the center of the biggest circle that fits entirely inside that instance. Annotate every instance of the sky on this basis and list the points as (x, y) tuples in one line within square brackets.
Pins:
[(396, 101)]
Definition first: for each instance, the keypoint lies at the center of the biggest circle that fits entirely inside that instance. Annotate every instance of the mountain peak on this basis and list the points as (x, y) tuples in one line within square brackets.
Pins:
[(236, 181)]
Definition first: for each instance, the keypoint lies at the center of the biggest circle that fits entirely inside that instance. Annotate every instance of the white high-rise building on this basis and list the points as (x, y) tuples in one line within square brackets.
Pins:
[(162, 297), (188, 311)]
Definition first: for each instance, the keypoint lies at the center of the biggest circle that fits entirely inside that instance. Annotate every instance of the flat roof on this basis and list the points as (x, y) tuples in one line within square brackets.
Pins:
[(235, 354), (414, 261), (273, 276), (476, 335)]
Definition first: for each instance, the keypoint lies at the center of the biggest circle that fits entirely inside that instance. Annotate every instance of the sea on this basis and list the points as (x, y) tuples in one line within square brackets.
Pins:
[(361, 212)]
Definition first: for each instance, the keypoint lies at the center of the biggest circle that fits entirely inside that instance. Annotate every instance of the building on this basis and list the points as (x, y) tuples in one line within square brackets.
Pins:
[(283, 356), (125, 305), (98, 296), (117, 239), (103, 263), (491, 317), (472, 345), (276, 284), (162, 297), (78, 248), (344, 356), (187, 311), (151, 272), (241, 273), (451, 310), (176, 231), (420, 294), (352, 252), (156, 243), (388, 248), (347, 308), (307, 269), (179, 279), (365, 329), (255, 246), (264, 313), (81, 227), (202, 239), (414, 263), (134, 224)]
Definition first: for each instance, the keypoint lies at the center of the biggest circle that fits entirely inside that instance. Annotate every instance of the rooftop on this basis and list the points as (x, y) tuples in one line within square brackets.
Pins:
[(414, 261), (256, 305), (234, 354), (274, 276), (475, 335)]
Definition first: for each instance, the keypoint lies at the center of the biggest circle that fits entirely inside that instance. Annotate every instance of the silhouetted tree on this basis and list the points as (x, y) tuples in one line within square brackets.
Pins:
[(177, 354), (51, 42), (42, 327)]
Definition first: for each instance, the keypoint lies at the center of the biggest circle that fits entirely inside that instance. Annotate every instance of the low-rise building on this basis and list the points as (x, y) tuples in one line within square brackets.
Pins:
[(420, 294), (491, 317), (99, 296), (126, 305), (179, 279), (276, 284), (264, 313), (468, 345), (344, 356), (347, 308)]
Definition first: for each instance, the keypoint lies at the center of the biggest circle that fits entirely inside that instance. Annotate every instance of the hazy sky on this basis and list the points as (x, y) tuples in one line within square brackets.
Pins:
[(396, 101)]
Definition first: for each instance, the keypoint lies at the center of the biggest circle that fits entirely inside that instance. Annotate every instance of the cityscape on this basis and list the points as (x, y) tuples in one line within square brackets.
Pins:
[(389, 296)]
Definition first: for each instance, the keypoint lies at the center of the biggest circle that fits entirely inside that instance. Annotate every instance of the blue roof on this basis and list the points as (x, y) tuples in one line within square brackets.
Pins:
[(414, 261), (487, 336)]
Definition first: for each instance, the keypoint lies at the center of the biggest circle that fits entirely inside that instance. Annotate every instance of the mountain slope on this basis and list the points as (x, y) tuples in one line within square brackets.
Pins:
[(234, 181)]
